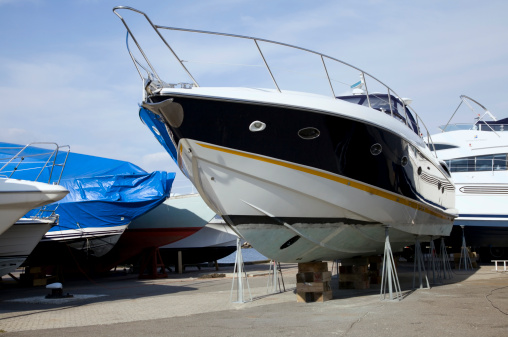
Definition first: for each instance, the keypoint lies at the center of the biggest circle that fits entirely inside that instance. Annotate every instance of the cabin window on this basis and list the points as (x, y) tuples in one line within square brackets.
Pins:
[(496, 162), (439, 147)]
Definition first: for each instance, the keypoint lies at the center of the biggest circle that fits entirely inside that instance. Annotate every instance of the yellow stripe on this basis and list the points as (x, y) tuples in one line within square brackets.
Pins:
[(369, 189)]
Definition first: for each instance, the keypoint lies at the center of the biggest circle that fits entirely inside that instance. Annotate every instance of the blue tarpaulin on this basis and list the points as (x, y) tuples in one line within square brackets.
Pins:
[(103, 192)]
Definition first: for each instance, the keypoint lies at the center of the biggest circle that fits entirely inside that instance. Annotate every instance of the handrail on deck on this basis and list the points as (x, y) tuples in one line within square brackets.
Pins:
[(465, 99), (49, 163), (156, 28)]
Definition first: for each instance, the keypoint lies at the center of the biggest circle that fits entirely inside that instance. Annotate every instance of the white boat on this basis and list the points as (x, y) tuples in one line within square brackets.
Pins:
[(476, 154), (301, 176), (17, 197), (19, 240)]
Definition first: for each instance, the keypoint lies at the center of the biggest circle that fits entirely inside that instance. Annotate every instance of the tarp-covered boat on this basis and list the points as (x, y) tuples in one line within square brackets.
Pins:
[(105, 196)]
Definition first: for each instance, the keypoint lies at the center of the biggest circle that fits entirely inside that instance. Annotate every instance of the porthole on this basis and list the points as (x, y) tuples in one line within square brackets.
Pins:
[(257, 126), (308, 133), (419, 170), (404, 161), (376, 149)]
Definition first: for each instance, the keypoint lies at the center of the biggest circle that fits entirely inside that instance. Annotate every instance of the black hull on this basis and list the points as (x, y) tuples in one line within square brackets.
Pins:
[(343, 146), (490, 242)]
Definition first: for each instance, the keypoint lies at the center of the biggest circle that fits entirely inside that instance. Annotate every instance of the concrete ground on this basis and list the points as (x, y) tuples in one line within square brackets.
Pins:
[(471, 304)]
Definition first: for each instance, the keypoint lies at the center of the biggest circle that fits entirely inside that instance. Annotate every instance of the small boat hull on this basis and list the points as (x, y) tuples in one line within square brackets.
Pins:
[(19, 241), (18, 197), (213, 242), (94, 241)]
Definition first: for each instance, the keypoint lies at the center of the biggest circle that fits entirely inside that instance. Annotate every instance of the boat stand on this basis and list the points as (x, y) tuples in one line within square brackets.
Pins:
[(433, 263), (335, 266), (464, 254), (275, 278), (240, 276), (389, 277), (446, 269), (420, 264), (152, 265)]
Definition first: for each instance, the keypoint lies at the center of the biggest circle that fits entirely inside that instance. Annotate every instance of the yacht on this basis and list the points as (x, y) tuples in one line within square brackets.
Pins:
[(300, 175), (476, 154)]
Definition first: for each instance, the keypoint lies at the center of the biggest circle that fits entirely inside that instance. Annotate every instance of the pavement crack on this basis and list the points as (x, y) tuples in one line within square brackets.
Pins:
[(351, 326), (492, 303)]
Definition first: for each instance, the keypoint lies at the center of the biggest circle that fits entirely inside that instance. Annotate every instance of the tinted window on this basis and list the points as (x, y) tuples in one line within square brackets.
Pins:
[(438, 146), (481, 163)]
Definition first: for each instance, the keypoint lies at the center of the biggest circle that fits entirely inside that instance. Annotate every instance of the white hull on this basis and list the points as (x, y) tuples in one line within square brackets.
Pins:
[(481, 196), (17, 197), (19, 240), (248, 186)]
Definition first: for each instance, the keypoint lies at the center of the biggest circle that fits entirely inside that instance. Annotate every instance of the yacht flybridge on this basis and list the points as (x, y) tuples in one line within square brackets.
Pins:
[(476, 153), (302, 176)]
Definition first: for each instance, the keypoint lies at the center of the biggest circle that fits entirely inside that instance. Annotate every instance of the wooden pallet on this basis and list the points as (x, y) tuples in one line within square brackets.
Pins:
[(313, 282)]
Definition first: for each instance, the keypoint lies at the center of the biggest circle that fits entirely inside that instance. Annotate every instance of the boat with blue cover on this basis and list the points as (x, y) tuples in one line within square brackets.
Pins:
[(105, 195)]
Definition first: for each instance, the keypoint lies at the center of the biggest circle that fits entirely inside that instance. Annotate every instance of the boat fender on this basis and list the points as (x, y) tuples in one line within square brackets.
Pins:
[(171, 112)]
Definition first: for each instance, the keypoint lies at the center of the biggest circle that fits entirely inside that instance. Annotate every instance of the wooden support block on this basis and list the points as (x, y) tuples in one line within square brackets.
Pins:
[(313, 287), (357, 261), (306, 297), (316, 267), (36, 270), (314, 277), (353, 277), (313, 282)]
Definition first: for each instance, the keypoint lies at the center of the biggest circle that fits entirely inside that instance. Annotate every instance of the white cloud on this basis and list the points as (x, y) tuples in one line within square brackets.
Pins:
[(152, 161)]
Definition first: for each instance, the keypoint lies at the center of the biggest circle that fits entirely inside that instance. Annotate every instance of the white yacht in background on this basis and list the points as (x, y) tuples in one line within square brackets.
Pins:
[(301, 176), (476, 154)]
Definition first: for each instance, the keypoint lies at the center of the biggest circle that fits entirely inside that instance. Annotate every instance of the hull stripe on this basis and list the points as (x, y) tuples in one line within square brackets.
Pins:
[(355, 184)]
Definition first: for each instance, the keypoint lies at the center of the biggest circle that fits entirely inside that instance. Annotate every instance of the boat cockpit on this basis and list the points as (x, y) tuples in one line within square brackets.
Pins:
[(388, 104)]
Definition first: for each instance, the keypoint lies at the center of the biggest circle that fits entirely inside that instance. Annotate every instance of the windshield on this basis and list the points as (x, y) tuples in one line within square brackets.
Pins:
[(382, 102)]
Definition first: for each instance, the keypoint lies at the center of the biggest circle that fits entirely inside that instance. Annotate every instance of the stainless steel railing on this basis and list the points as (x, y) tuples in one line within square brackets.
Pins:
[(29, 162), (152, 73)]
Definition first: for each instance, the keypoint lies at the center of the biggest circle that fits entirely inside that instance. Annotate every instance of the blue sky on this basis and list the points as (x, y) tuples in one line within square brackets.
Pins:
[(66, 77)]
